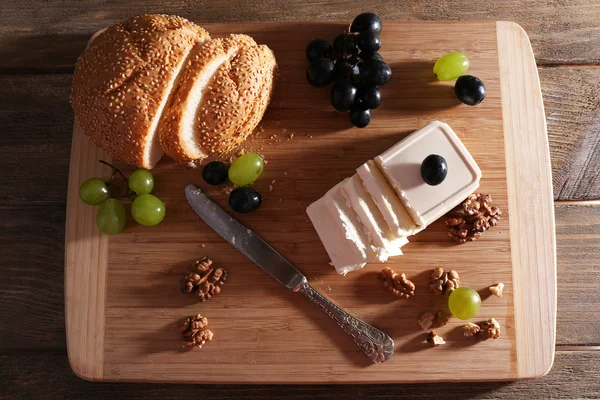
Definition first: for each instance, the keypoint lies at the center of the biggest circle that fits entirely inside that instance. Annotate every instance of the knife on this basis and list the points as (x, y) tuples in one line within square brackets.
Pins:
[(377, 345)]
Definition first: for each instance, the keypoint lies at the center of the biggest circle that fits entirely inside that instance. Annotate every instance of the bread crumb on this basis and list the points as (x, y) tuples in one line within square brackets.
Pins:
[(291, 136), (273, 181), (192, 164), (203, 245), (285, 173), (270, 188)]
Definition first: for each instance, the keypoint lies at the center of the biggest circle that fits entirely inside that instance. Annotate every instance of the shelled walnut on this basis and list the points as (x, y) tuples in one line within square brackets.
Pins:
[(470, 329), (194, 332), (206, 281), (398, 284), (443, 282), (431, 320), (467, 221), (496, 290), (489, 329), (434, 339)]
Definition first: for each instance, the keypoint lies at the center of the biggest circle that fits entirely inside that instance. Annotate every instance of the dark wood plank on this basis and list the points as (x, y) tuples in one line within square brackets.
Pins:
[(37, 124), (31, 277), (54, 33), (48, 376), (578, 251), (572, 100)]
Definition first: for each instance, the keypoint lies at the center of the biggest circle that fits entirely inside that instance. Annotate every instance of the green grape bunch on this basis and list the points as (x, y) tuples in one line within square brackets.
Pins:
[(111, 217)]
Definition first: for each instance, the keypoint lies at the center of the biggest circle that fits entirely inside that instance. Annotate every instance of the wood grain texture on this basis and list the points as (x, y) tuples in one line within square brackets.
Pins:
[(529, 202), (36, 122), (85, 267), (54, 33), (31, 277), (572, 100), (575, 375), (578, 249), (578, 252), (144, 262)]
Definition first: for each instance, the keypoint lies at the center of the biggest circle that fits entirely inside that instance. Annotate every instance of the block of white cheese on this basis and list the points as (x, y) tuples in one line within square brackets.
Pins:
[(401, 167), (340, 231), (394, 212), (371, 219)]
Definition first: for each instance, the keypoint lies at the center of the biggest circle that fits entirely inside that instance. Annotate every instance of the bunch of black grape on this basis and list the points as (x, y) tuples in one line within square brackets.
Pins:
[(355, 65)]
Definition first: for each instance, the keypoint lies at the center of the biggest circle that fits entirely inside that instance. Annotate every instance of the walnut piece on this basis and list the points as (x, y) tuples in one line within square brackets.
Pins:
[(206, 281), (442, 282), (497, 289), (434, 339), (431, 320), (396, 283), (467, 221), (470, 329), (194, 332), (426, 320), (489, 329)]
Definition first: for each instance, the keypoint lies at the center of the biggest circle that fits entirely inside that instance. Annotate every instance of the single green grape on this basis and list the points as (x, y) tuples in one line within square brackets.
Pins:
[(148, 210), (451, 66), (141, 181), (93, 191), (246, 169), (464, 303), (111, 217)]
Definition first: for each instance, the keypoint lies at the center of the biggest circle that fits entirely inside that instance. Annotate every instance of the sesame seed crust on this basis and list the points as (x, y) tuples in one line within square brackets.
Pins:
[(232, 104), (122, 78)]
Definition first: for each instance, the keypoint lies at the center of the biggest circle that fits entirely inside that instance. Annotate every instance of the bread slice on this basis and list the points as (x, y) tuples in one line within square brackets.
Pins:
[(220, 98), (123, 80)]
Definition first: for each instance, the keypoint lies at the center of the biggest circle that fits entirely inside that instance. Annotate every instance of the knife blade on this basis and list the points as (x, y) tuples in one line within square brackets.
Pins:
[(244, 240), (377, 345)]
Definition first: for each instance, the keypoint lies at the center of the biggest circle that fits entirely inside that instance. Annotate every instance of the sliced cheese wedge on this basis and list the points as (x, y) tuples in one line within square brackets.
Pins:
[(371, 219), (394, 213)]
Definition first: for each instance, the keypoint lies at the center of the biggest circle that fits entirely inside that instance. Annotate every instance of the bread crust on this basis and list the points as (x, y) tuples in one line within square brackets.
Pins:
[(123, 78), (233, 99)]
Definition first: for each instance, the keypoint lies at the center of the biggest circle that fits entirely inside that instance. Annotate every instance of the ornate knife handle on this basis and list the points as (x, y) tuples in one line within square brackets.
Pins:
[(377, 345)]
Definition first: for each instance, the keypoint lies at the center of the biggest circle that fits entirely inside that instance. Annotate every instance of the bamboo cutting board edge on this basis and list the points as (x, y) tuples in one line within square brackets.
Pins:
[(85, 282)]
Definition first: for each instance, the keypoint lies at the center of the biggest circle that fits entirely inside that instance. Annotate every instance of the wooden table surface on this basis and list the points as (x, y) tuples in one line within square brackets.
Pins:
[(39, 43)]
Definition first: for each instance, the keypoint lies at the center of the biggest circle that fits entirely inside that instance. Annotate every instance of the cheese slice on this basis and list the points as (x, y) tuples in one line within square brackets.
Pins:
[(338, 228), (394, 213), (371, 219)]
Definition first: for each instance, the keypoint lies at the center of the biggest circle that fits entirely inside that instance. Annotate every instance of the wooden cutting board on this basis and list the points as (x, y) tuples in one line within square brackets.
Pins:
[(123, 304)]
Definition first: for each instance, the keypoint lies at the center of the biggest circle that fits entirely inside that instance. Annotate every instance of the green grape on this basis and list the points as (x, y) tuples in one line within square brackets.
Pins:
[(141, 181), (111, 217), (148, 210), (451, 66), (93, 191), (246, 169), (464, 303)]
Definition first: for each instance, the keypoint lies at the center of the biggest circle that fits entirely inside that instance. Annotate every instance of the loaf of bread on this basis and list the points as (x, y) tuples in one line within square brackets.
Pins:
[(158, 83)]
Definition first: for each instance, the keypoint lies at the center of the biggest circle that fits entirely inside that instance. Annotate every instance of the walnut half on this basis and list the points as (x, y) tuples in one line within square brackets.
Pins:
[(206, 281), (194, 332), (442, 282), (467, 221), (396, 283), (431, 320), (489, 329)]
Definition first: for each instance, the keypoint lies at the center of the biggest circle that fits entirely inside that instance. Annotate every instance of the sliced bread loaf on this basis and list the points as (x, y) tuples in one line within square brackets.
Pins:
[(123, 80)]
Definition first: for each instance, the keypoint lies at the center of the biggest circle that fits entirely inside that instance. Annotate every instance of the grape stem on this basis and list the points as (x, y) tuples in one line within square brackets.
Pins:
[(128, 193)]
